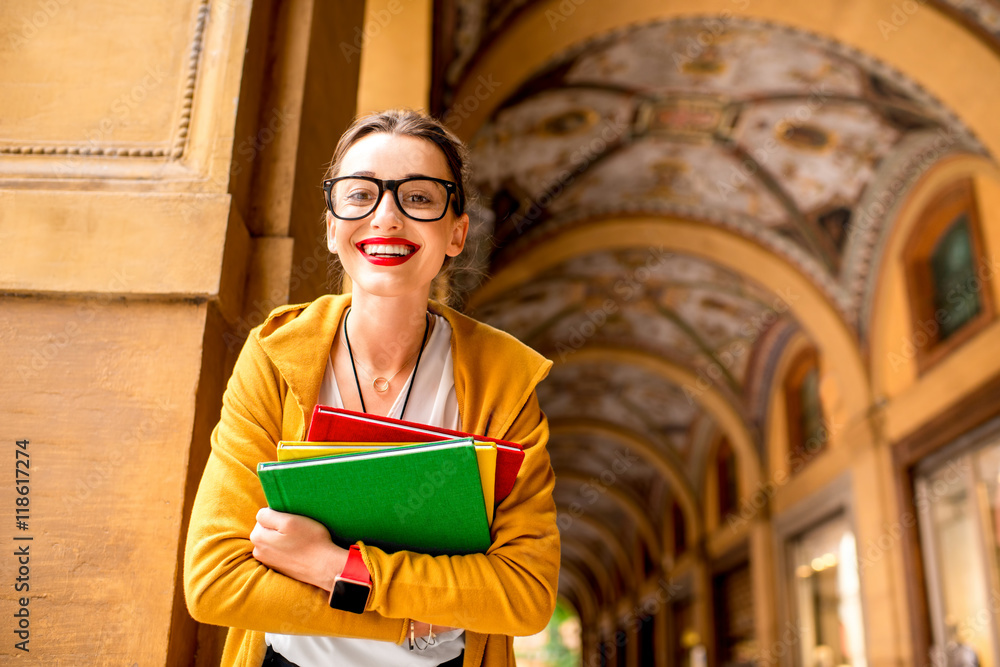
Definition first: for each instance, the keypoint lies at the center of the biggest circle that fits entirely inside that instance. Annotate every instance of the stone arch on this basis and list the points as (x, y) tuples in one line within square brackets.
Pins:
[(834, 338), (632, 509), (599, 573), (666, 468), (577, 582), (728, 417), (612, 542)]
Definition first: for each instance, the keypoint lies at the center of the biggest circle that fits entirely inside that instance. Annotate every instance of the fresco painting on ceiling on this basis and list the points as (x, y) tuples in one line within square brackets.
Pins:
[(776, 128), (685, 308)]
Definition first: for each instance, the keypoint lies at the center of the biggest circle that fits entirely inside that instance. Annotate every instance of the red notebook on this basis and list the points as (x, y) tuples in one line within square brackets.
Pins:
[(339, 425)]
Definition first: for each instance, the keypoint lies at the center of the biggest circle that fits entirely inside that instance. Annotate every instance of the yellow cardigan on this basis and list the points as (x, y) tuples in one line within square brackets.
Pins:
[(510, 590)]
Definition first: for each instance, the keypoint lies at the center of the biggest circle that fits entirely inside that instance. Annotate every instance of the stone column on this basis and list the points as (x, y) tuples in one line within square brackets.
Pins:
[(159, 163)]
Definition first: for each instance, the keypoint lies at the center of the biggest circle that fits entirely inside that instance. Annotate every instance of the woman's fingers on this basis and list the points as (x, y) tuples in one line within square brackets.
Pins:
[(269, 518), (296, 546)]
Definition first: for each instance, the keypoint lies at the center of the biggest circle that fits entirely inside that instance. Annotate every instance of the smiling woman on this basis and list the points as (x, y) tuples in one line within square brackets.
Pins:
[(395, 199)]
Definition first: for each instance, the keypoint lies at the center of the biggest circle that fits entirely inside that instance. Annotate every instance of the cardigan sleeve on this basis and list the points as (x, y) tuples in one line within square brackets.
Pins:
[(223, 583), (509, 590)]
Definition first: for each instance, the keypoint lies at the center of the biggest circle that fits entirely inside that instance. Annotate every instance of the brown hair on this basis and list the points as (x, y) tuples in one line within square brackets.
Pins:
[(407, 122)]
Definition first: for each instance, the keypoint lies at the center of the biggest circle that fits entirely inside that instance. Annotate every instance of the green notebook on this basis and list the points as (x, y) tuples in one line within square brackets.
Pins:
[(425, 498)]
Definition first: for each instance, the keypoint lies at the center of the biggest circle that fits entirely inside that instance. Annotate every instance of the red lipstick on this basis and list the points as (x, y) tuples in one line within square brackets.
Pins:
[(387, 251)]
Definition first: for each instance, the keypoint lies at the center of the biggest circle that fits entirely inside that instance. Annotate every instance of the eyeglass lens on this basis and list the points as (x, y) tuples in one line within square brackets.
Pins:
[(419, 198)]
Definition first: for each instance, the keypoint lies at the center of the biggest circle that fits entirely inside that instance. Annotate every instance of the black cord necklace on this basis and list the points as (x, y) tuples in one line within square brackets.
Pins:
[(420, 353)]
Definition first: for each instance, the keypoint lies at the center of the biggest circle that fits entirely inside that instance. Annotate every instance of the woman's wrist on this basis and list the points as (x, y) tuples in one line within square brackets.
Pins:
[(334, 566), (421, 635)]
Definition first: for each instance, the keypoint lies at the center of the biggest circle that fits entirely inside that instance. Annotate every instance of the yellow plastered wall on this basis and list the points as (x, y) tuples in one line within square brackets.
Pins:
[(396, 55), (794, 483)]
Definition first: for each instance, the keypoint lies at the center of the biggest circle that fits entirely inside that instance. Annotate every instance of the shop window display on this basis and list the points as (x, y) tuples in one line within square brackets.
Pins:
[(826, 598), (959, 505)]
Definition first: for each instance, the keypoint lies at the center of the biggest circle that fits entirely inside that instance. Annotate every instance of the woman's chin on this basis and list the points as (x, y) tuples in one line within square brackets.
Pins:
[(390, 288)]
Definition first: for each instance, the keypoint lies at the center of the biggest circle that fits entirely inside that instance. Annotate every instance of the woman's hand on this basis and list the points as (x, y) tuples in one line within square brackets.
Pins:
[(297, 547), (301, 548)]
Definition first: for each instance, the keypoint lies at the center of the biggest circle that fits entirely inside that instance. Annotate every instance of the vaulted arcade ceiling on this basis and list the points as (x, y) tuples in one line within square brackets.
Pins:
[(796, 142)]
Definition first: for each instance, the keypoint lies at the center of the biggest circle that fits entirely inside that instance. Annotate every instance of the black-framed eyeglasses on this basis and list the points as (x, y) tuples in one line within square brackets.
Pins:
[(419, 197)]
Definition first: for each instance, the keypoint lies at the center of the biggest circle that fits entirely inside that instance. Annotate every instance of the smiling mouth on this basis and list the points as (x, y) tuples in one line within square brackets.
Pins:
[(386, 250)]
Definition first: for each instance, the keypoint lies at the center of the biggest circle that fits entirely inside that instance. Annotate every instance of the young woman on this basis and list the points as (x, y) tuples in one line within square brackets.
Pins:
[(395, 198)]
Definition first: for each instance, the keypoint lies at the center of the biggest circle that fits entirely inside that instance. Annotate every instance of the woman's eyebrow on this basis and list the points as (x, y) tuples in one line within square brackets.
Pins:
[(371, 174)]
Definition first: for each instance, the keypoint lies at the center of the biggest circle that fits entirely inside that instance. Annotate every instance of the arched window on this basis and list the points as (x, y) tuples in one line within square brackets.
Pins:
[(806, 433), (944, 262)]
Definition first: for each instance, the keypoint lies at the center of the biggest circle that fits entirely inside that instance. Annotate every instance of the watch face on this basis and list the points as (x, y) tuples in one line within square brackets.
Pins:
[(349, 596)]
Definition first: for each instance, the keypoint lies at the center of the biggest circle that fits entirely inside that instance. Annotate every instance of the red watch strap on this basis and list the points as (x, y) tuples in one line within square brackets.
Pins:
[(355, 568)]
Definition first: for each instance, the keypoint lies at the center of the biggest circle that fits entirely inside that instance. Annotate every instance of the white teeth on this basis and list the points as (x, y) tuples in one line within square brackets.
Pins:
[(387, 250)]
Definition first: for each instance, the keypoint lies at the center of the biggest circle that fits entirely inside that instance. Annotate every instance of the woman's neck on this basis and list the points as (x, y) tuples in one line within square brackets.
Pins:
[(386, 332)]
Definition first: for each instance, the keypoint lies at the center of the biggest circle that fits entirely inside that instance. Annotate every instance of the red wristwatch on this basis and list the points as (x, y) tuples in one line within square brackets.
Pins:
[(352, 588)]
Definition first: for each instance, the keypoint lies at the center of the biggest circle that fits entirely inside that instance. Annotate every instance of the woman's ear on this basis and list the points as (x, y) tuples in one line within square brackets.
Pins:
[(458, 234), (331, 232)]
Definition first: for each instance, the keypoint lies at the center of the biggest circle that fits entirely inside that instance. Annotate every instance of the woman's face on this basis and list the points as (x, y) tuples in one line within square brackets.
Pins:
[(387, 253)]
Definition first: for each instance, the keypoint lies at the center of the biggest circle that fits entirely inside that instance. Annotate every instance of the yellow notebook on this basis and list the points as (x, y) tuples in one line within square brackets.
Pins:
[(486, 457)]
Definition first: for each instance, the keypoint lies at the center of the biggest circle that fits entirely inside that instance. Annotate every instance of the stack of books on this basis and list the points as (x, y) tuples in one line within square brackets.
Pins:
[(393, 484)]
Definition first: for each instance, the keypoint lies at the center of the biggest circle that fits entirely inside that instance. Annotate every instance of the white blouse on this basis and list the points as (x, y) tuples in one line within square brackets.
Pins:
[(432, 402)]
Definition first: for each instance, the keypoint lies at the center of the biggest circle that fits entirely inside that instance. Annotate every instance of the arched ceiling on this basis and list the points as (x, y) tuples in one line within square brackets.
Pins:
[(773, 131), (676, 306), (781, 136)]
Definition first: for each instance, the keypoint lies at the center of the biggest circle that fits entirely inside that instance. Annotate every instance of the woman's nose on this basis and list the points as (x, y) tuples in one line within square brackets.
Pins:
[(387, 215)]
